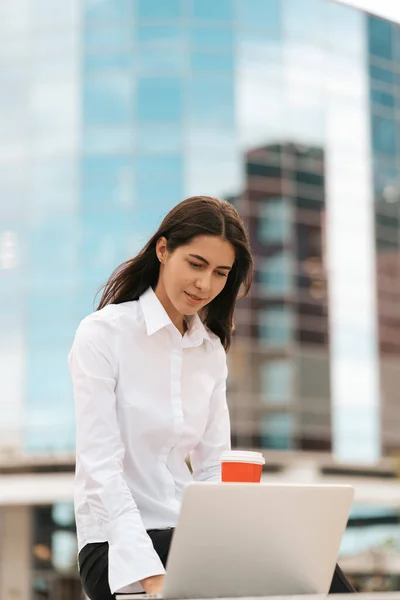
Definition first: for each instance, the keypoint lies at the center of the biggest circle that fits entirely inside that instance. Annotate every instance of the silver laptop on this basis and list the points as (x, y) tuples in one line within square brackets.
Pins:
[(246, 539)]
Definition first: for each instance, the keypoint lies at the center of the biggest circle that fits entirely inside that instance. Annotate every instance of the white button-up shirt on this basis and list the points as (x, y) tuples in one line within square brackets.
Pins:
[(146, 397)]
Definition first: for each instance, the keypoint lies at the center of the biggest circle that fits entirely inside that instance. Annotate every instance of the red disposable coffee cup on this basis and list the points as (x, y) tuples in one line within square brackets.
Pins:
[(241, 466)]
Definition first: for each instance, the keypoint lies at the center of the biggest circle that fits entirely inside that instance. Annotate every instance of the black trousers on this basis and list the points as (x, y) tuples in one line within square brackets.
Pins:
[(93, 567), (93, 563)]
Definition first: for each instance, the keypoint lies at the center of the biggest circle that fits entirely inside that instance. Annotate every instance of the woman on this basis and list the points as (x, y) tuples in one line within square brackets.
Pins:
[(149, 373)]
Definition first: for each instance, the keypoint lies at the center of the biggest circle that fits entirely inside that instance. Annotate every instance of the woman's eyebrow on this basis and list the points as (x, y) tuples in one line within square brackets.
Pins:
[(204, 260)]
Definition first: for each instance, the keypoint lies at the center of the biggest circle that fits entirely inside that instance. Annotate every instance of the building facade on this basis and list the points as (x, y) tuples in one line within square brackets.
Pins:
[(111, 111)]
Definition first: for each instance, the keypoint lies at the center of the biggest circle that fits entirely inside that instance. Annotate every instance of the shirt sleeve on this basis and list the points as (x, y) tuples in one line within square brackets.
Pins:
[(205, 457), (100, 452)]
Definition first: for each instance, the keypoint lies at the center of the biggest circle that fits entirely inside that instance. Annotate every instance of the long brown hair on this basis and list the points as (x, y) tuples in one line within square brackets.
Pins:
[(198, 215)]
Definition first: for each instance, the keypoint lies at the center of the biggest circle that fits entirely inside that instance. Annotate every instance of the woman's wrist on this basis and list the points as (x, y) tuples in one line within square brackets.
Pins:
[(153, 584)]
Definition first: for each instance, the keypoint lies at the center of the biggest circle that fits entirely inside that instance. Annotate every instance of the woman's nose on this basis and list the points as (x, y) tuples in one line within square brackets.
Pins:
[(204, 282)]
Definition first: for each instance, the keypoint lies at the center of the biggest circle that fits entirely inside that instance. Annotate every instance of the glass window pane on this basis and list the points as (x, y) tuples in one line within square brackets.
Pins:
[(103, 244), (200, 138), (161, 48), (15, 50), (159, 139), (276, 326), (211, 101), (396, 43), (217, 170), (162, 35), (104, 11), (275, 274), (382, 98), (380, 74), (263, 14), (275, 221), (380, 37), (110, 39), (54, 186), (206, 62), (303, 20), (14, 19), (163, 166), (159, 185), (159, 99), (108, 97), (345, 29), (155, 60), (46, 14), (212, 10), (107, 183), (100, 140), (277, 431), (154, 9), (215, 38), (305, 111), (119, 60), (383, 135), (277, 381)]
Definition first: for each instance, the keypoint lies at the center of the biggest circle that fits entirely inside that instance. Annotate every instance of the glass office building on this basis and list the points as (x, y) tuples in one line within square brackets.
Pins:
[(114, 110)]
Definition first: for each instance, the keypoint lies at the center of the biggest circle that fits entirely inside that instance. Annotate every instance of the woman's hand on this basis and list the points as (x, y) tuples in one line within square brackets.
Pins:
[(154, 584)]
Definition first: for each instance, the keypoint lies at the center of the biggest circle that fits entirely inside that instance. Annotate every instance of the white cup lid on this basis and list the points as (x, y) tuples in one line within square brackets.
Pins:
[(243, 456)]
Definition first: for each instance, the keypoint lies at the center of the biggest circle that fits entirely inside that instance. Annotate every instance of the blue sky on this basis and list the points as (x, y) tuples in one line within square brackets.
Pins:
[(390, 9)]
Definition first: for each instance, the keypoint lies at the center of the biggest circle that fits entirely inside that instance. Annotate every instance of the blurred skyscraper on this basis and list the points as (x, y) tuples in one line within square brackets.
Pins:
[(111, 111)]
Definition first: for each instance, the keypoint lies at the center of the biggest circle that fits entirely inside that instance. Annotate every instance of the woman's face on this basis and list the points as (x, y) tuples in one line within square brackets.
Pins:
[(194, 274)]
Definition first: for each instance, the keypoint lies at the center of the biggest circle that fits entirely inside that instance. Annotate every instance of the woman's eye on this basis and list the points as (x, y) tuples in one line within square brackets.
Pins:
[(195, 265), (222, 274)]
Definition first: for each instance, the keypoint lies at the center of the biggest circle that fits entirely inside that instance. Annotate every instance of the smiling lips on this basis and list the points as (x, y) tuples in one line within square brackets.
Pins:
[(194, 299)]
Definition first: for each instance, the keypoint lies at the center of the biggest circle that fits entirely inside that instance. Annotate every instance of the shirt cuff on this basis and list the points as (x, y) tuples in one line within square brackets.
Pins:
[(131, 555)]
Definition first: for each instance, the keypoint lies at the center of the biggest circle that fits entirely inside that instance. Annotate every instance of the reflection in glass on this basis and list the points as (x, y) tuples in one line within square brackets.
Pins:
[(107, 97), (213, 11), (103, 12), (214, 169), (107, 183), (159, 99), (305, 118), (110, 39), (205, 62), (259, 14), (214, 38), (211, 101), (154, 9), (53, 186), (46, 15), (259, 92), (159, 139), (304, 20), (161, 48), (344, 30), (115, 139)]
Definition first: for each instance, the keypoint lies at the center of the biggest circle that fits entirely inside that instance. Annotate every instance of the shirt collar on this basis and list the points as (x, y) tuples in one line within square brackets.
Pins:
[(156, 317)]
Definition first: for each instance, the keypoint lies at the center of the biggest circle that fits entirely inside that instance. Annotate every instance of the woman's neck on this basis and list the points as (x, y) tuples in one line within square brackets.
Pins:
[(176, 317)]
